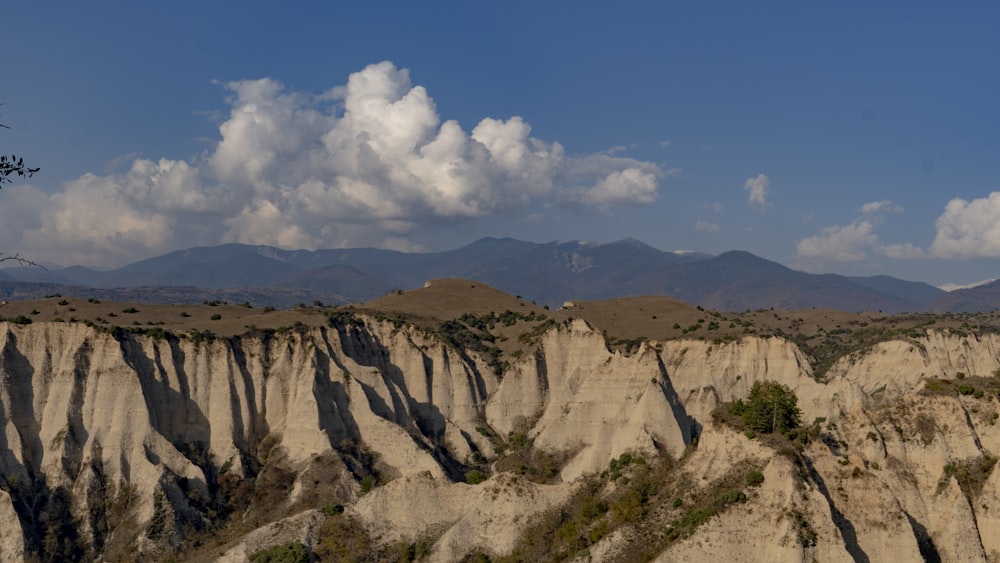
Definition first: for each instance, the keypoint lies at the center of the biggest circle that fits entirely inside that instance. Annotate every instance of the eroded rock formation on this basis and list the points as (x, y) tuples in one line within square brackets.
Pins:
[(116, 444)]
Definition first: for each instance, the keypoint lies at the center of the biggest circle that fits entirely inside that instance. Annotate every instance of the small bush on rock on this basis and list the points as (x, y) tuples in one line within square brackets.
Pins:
[(293, 552)]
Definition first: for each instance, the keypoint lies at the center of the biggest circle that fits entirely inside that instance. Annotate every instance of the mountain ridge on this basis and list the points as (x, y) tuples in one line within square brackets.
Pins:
[(548, 273)]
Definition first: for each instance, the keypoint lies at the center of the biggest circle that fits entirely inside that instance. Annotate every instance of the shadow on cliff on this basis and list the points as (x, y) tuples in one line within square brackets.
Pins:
[(925, 544), (846, 528), (246, 433), (18, 383), (43, 512), (422, 420), (172, 412), (690, 428)]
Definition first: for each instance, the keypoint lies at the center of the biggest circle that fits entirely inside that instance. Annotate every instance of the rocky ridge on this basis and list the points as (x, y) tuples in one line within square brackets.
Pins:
[(115, 444)]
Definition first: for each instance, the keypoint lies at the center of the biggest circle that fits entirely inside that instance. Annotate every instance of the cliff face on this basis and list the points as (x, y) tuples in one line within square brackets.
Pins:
[(115, 445)]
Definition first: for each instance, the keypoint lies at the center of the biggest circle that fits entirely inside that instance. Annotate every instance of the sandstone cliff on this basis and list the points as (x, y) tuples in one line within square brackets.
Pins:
[(116, 444)]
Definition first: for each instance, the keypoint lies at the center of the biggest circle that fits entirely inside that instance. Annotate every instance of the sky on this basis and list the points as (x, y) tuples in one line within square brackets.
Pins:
[(858, 138)]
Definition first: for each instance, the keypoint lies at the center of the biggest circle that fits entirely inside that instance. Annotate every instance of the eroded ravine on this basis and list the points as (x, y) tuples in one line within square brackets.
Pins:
[(155, 441)]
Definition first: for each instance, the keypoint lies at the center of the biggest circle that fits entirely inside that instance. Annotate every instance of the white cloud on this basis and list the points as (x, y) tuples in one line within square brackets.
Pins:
[(629, 187), (101, 220), (706, 227), (839, 244), (367, 163), (757, 200), (884, 206), (852, 243), (968, 229)]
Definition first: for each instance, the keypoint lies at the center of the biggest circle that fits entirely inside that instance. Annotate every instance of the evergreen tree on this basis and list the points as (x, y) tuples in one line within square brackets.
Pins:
[(771, 407)]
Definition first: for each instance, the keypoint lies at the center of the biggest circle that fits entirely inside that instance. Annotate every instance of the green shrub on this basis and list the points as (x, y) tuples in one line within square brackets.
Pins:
[(292, 552), (157, 524), (332, 508), (216, 317), (754, 478), (475, 477), (367, 484), (770, 407), (807, 534)]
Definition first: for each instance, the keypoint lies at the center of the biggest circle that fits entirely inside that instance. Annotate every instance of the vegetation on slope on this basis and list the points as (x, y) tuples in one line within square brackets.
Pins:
[(622, 498)]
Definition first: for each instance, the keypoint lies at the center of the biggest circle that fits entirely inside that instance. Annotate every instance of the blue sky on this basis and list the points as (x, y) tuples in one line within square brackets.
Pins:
[(829, 136)]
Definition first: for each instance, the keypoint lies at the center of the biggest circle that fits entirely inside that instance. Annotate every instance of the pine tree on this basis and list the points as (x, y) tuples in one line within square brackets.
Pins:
[(771, 407)]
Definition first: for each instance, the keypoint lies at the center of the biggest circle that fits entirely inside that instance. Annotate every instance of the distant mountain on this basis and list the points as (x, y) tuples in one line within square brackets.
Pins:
[(337, 279), (916, 292), (81, 275), (975, 299), (548, 273), (226, 266), (738, 280), (280, 297)]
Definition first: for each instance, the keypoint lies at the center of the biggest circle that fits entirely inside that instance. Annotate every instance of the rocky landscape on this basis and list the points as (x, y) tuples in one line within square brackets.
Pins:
[(457, 423)]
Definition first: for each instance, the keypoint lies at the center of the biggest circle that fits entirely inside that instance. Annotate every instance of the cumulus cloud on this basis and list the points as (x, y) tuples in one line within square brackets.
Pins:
[(965, 229), (846, 243), (757, 199), (366, 163), (968, 229), (852, 242), (108, 219)]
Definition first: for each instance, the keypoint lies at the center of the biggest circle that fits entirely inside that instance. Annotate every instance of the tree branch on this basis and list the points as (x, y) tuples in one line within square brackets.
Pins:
[(20, 260)]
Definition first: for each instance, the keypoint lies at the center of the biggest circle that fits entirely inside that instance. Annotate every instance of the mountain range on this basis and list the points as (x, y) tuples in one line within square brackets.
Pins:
[(548, 273)]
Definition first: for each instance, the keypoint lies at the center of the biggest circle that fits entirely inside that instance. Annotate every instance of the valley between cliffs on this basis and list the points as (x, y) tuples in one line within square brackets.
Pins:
[(369, 438)]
